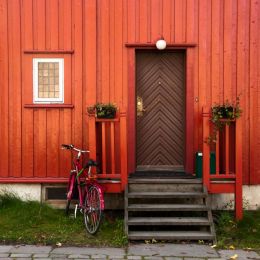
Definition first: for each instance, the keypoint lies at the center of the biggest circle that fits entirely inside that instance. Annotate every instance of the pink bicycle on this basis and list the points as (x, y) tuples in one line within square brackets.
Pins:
[(90, 194)]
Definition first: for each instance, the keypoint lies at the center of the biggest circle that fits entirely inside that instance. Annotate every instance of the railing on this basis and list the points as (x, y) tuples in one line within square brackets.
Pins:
[(228, 152), (108, 145)]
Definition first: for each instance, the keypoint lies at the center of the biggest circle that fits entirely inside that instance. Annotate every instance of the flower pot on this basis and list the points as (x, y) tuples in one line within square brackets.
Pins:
[(107, 113)]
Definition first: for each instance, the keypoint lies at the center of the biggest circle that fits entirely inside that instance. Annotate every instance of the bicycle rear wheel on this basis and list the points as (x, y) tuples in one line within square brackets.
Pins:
[(93, 210)]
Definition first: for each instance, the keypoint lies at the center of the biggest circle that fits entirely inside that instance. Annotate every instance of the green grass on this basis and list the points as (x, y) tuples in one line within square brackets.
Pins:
[(240, 234), (35, 223)]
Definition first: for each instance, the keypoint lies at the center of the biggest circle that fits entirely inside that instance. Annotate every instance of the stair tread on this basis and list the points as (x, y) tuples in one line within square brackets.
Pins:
[(166, 194), (167, 207), (170, 235), (168, 220), (158, 180)]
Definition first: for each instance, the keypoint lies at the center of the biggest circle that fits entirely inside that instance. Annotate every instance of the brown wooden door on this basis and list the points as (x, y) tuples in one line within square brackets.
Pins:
[(161, 97)]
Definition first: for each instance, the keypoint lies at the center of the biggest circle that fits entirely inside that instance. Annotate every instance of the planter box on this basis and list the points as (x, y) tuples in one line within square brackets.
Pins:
[(106, 113)]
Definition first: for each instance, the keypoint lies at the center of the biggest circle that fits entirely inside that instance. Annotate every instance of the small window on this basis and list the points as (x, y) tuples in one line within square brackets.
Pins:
[(48, 80)]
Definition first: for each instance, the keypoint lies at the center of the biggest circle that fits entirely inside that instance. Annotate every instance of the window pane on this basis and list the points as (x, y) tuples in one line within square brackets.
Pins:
[(40, 65), (40, 80), (48, 80), (40, 94), (41, 88)]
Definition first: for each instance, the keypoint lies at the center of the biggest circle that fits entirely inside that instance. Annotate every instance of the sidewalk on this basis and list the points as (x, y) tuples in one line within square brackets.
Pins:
[(133, 252)]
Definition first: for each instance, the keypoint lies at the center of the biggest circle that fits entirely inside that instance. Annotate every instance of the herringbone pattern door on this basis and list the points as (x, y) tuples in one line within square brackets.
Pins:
[(161, 124)]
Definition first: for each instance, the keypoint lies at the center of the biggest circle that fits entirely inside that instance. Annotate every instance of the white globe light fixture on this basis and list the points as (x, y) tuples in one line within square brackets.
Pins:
[(161, 44)]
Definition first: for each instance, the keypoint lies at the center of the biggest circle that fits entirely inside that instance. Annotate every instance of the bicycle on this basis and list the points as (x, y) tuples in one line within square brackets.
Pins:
[(90, 193)]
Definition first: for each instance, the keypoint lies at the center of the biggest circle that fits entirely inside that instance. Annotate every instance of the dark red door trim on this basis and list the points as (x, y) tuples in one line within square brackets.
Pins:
[(131, 111), (189, 151)]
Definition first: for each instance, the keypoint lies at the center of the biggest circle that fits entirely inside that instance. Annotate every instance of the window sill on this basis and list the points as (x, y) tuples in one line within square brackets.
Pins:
[(48, 51), (48, 106)]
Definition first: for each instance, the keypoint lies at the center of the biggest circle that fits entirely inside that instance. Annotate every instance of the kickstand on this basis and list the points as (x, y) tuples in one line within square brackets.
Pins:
[(75, 212)]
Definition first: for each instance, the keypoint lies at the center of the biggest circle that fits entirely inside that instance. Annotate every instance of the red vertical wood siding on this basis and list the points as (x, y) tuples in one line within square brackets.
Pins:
[(4, 99), (224, 64)]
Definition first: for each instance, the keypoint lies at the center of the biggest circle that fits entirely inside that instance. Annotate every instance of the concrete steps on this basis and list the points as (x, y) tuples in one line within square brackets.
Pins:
[(168, 209), (171, 235), (167, 195), (169, 221)]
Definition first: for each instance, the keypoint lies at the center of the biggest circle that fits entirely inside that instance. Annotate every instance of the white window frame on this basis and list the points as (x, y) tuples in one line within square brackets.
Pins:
[(36, 98)]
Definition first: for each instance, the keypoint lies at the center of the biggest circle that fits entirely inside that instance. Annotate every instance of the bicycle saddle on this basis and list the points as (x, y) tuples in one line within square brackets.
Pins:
[(91, 163)]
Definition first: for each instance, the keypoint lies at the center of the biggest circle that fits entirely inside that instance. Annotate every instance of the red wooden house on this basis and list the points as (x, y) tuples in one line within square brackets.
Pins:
[(58, 57)]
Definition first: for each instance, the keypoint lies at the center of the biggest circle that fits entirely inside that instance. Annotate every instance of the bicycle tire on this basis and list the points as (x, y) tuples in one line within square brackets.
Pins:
[(93, 210)]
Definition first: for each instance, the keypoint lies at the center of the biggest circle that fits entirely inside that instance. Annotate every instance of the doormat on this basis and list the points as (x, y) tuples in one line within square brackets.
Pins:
[(162, 174)]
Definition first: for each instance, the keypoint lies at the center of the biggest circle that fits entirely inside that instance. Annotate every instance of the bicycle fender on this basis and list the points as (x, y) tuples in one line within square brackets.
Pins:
[(100, 190)]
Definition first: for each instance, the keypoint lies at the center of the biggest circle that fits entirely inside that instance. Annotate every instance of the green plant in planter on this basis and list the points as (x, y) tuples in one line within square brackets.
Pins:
[(221, 115), (107, 110)]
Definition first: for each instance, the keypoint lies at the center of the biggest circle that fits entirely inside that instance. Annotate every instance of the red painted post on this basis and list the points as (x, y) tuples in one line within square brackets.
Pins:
[(112, 136), (104, 152), (217, 153), (123, 150), (227, 149), (92, 136), (206, 147), (239, 175)]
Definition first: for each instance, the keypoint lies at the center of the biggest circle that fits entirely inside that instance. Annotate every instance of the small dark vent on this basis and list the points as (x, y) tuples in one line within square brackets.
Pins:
[(56, 193)]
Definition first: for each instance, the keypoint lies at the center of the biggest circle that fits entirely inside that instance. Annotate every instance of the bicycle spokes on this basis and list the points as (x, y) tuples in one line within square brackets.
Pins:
[(92, 212)]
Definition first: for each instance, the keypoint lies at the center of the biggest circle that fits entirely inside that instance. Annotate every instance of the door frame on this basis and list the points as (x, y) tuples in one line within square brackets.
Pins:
[(189, 51)]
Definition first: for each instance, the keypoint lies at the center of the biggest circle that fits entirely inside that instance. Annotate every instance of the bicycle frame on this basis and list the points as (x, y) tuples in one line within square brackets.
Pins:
[(76, 174), (91, 198)]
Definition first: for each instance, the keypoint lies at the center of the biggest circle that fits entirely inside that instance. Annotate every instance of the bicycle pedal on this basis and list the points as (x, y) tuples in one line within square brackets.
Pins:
[(75, 212)]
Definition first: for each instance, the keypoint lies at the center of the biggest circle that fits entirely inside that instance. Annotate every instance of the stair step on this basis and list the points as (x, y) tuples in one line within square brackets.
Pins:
[(168, 181), (170, 235), (167, 207), (169, 221), (166, 195)]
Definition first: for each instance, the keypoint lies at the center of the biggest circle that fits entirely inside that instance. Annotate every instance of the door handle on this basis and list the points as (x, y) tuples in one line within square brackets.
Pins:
[(139, 106)]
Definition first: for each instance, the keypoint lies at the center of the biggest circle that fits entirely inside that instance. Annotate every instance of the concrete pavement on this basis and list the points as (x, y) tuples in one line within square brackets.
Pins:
[(132, 252)]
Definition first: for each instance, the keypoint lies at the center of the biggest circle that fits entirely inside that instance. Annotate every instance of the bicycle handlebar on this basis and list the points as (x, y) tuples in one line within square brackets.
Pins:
[(71, 147)]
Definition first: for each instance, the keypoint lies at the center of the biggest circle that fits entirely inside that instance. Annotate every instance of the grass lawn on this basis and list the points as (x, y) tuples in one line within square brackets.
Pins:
[(35, 223), (243, 234)]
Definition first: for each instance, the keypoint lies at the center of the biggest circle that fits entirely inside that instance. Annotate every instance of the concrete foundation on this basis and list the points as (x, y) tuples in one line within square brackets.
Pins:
[(251, 196), (251, 199), (24, 191)]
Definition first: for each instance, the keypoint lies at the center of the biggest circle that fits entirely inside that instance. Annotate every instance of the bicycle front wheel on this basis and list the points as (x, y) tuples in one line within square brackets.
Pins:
[(93, 210)]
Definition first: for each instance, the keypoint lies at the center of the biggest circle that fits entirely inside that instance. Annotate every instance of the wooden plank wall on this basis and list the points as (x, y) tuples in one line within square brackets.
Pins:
[(32, 136), (225, 63)]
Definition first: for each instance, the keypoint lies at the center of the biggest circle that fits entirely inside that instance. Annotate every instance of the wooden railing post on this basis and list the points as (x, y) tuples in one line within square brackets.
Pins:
[(104, 145), (227, 145), (92, 136), (239, 177), (206, 147), (112, 136), (123, 149), (217, 153)]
